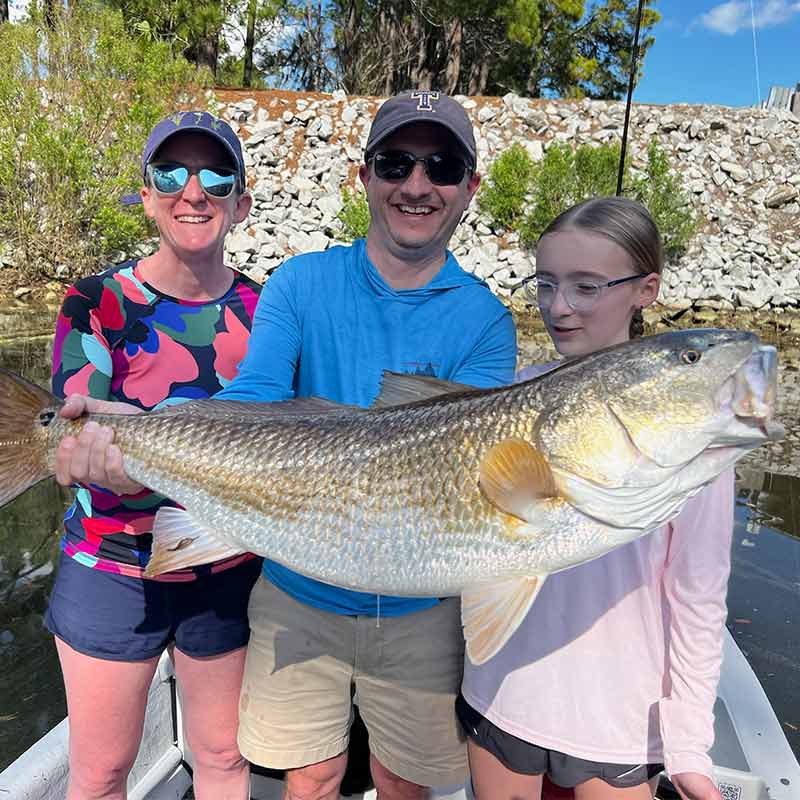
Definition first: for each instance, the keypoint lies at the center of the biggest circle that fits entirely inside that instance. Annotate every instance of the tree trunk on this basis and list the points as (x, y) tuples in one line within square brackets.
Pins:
[(348, 52), (249, 43), (478, 77), (207, 53), (319, 33), (49, 11), (418, 37), (313, 46), (385, 25), (3, 11), (452, 71)]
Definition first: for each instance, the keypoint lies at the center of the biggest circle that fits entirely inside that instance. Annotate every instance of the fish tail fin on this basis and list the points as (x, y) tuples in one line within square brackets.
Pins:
[(180, 541), (25, 412)]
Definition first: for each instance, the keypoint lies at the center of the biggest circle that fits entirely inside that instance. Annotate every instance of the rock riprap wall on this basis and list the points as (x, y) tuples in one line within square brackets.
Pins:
[(740, 167)]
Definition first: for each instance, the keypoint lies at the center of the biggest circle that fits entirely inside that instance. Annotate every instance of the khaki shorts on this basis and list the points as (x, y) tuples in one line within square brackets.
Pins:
[(302, 665)]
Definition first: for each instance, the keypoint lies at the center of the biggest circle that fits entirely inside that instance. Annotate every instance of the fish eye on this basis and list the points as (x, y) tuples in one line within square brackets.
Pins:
[(690, 356)]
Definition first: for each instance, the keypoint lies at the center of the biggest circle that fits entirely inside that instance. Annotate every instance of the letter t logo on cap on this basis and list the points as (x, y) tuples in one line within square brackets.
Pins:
[(425, 98)]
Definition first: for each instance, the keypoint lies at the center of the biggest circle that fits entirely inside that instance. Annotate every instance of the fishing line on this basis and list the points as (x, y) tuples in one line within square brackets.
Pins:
[(755, 49)]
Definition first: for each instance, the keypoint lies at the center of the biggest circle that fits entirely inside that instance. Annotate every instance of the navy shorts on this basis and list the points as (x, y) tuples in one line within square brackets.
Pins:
[(529, 759), (119, 618)]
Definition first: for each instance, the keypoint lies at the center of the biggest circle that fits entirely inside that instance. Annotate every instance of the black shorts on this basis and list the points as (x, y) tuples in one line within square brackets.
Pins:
[(120, 618), (528, 759)]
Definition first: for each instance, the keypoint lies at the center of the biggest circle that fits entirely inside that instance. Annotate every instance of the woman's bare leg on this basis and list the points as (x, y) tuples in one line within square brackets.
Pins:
[(106, 703)]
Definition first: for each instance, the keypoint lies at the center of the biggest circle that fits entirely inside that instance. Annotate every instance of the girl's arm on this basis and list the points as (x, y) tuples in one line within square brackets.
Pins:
[(695, 584)]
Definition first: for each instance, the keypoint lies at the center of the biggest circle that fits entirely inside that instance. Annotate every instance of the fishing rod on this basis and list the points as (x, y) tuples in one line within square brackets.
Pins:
[(631, 79)]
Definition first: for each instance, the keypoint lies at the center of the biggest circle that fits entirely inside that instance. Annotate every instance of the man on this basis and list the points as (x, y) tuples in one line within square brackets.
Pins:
[(327, 325)]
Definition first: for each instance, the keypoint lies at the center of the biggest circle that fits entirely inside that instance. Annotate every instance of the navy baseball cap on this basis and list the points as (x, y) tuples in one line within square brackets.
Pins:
[(191, 121), (423, 106)]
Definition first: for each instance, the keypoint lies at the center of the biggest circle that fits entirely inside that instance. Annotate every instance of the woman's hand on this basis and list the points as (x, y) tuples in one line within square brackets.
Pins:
[(694, 786), (91, 457)]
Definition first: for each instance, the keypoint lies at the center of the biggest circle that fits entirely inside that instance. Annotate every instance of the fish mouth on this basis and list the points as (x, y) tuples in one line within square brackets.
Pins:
[(750, 395)]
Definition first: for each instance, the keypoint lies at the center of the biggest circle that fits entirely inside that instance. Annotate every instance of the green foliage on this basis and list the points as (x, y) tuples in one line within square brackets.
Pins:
[(606, 42), (523, 196), (195, 28), (583, 50), (565, 177), (662, 193), (354, 215), (191, 27), (571, 48), (76, 104), (230, 73), (502, 194)]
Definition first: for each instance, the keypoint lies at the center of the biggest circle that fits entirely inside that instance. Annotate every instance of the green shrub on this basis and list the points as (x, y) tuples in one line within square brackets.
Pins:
[(354, 215), (662, 193), (76, 104), (524, 196), (565, 177), (502, 195)]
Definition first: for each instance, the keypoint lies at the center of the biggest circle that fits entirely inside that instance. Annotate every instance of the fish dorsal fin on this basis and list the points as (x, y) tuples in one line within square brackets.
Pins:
[(513, 475), (491, 612), (180, 541), (236, 409), (397, 389)]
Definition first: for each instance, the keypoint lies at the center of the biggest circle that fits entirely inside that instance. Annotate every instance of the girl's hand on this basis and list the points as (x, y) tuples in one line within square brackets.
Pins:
[(694, 786), (91, 457)]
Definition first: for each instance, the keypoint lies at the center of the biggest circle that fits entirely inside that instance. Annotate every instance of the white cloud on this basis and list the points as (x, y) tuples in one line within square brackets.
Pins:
[(730, 17)]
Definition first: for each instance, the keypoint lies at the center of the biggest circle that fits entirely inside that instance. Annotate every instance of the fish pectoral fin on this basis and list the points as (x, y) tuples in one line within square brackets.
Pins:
[(180, 541), (513, 475), (398, 388), (491, 612)]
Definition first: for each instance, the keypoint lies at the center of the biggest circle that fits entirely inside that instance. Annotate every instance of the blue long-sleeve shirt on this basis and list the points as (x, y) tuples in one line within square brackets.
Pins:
[(327, 325)]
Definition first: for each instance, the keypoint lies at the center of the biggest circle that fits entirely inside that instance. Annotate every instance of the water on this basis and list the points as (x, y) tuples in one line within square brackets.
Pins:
[(31, 694), (764, 591), (763, 595)]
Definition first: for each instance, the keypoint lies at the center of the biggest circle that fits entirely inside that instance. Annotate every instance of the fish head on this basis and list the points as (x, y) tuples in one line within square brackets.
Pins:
[(671, 411), (688, 392)]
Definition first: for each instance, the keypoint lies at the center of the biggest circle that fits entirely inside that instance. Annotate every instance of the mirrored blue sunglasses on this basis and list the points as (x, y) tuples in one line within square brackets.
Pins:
[(171, 178)]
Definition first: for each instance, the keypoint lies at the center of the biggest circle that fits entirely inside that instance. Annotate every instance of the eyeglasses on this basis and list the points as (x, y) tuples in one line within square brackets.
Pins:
[(579, 295), (442, 169), (171, 178)]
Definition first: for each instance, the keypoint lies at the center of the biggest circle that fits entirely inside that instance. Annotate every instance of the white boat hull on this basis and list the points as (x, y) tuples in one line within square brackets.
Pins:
[(752, 759)]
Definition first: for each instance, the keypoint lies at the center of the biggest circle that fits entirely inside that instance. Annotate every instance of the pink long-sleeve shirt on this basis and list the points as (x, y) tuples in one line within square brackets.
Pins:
[(618, 659)]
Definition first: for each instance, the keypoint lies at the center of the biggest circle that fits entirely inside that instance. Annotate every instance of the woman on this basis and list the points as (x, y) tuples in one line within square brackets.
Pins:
[(152, 332), (613, 673)]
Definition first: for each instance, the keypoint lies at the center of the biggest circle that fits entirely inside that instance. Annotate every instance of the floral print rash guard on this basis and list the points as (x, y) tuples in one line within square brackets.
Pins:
[(118, 338)]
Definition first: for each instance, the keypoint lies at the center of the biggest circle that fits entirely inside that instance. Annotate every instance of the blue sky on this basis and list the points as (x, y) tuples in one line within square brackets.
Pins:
[(704, 51)]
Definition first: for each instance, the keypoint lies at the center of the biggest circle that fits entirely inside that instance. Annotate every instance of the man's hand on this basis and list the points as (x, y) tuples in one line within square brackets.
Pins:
[(694, 786), (91, 457)]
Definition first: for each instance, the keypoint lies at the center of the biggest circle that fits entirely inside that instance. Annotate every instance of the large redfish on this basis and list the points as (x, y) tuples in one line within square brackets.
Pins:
[(437, 489)]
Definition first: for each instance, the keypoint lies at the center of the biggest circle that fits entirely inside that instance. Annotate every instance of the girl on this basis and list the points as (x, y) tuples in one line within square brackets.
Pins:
[(613, 674)]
